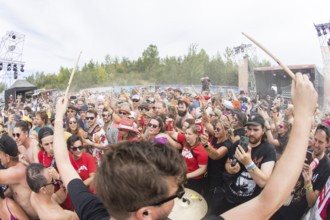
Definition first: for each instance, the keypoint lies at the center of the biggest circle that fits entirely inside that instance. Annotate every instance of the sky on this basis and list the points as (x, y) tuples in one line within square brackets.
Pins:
[(56, 31)]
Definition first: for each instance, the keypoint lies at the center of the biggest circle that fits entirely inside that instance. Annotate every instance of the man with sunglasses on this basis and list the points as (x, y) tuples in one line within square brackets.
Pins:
[(43, 199), (96, 139), (308, 189)]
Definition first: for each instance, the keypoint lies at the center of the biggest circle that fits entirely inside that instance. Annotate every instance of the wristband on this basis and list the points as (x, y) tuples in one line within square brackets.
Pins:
[(251, 166), (206, 145), (310, 187)]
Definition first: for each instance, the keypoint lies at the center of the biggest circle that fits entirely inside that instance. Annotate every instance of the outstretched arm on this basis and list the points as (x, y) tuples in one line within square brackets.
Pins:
[(64, 166), (282, 181)]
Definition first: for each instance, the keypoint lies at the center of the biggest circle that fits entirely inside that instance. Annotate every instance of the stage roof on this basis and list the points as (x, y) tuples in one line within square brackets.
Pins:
[(292, 67)]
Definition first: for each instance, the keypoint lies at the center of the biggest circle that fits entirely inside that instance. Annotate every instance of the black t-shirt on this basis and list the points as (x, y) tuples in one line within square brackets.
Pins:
[(86, 204), (241, 187), (215, 168), (283, 141), (299, 204)]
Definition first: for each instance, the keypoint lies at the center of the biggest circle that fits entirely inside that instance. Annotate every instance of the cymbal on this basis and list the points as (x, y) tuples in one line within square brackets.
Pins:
[(191, 206)]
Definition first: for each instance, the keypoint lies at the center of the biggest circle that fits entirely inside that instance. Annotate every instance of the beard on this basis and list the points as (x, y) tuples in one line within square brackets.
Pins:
[(254, 140), (182, 113)]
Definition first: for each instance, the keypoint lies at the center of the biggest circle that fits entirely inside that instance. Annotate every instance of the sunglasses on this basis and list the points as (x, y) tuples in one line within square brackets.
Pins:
[(105, 115), (72, 122), (135, 100), (16, 135), (218, 129), (53, 182), (122, 113), (178, 194), (76, 148), (90, 118), (152, 125)]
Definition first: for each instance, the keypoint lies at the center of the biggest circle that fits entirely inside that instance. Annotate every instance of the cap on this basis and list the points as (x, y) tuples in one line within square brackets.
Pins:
[(44, 132), (178, 90), (228, 104), (137, 97), (84, 108), (8, 146), (256, 119), (185, 100), (26, 119), (144, 106)]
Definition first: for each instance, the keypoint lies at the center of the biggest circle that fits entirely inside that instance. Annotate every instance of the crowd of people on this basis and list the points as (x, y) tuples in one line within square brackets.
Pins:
[(129, 155)]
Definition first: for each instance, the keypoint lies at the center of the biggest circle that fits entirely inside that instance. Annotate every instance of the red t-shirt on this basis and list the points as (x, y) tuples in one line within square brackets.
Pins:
[(46, 160), (86, 165), (199, 156)]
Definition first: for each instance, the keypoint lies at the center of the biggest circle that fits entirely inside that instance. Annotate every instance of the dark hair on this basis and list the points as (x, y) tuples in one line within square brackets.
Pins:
[(72, 139), (24, 126), (92, 111), (129, 168), (324, 128), (160, 122), (241, 117), (34, 177), (68, 129), (28, 109)]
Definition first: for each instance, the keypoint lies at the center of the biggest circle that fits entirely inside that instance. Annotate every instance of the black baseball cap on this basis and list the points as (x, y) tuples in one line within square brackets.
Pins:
[(44, 132), (8, 146), (256, 119)]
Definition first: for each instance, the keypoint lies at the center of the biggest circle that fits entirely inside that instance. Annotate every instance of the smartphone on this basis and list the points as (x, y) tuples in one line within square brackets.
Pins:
[(244, 142), (309, 157)]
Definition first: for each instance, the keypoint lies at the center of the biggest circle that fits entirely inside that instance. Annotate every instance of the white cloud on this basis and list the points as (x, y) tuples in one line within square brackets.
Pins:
[(57, 30)]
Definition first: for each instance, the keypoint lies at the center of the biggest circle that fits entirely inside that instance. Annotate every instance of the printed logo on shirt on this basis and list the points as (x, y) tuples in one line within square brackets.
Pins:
[(83, 167), (187, 153)]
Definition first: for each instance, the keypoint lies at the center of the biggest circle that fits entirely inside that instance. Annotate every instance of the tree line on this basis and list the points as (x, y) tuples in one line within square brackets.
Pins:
[(149, 69)]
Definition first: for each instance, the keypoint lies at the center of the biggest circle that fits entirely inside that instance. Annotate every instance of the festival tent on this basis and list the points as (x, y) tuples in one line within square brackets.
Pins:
[(19, 88)]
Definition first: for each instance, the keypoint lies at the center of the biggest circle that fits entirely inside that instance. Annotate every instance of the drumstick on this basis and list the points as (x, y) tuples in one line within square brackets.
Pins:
[(286, 69), (71, 77)]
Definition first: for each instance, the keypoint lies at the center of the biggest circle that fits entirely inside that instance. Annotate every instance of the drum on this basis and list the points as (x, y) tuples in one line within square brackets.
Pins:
[(191, 206)]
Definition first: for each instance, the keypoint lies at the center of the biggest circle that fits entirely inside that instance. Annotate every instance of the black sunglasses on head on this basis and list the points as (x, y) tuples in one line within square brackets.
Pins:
[(324, 128), (178, 194)]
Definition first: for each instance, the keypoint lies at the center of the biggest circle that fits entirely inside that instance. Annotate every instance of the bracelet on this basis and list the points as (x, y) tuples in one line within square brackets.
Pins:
[(310, 187), (206, 145), (251, 166)]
